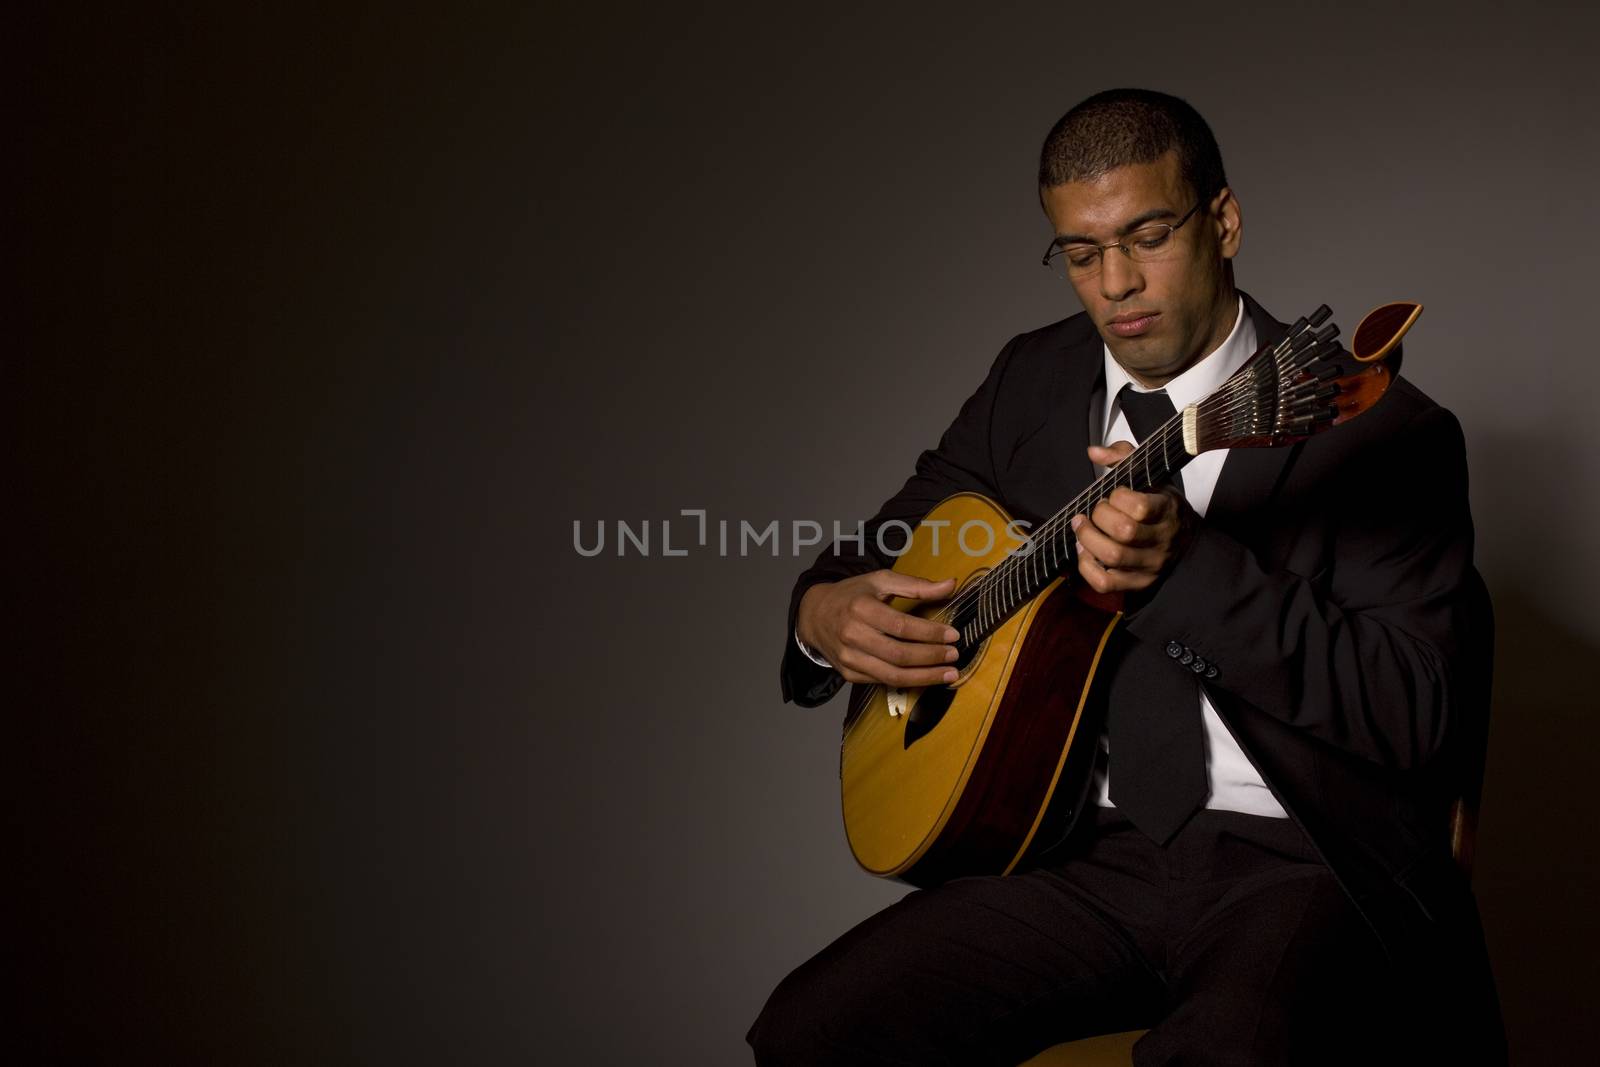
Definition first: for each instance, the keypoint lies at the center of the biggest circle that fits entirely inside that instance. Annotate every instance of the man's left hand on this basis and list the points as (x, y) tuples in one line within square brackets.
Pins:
[(1130, 540)]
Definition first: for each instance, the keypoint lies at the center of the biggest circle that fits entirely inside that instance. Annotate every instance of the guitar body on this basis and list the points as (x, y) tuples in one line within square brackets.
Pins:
[(976, 776)]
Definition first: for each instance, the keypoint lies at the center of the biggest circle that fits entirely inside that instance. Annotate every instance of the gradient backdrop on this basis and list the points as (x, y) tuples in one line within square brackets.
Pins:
[(328, 746)]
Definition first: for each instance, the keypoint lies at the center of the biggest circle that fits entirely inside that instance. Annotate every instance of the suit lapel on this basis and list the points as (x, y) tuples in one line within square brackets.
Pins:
[(1079, 381), (1046, 464), (1250, 476)]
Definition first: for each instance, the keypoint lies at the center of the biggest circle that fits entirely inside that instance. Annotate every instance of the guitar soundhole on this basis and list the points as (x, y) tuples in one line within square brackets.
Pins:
[(927, 712), (934, 701)]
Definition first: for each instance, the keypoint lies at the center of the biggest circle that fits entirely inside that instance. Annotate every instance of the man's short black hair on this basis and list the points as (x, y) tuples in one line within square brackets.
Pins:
[(1122, 126)]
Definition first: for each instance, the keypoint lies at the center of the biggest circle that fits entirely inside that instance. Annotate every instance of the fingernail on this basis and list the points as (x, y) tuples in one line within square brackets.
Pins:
[(1077, 520), (951, 676), (950, 633), (950, 655)]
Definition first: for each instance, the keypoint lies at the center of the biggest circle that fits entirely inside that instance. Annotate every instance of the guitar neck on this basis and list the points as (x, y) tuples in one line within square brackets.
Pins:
[(1049, 552)]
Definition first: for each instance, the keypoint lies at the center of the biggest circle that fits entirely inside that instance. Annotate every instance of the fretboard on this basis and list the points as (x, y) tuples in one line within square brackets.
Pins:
[(1050, 549)]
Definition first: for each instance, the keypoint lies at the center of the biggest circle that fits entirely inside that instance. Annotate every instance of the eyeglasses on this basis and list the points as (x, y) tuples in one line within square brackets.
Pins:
[(1147, 244)]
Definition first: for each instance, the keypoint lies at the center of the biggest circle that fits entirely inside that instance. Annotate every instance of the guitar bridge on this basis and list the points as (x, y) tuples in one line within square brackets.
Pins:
[(898, 704)]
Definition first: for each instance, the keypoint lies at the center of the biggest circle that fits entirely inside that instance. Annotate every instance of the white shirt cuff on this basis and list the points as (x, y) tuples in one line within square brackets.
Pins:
[(810, 653)]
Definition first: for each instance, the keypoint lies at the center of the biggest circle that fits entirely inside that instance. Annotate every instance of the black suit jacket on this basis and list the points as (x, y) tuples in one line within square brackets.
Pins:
[(1332, 584)]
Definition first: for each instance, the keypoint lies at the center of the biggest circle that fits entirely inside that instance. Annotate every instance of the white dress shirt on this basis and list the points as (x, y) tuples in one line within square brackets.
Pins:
[(1235, 785)]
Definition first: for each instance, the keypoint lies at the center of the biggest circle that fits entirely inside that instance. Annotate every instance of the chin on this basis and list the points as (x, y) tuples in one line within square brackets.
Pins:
[(1139, 352), (1146, 360)]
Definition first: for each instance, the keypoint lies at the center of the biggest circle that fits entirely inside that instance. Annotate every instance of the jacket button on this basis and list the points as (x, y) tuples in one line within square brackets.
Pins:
[(1187, 657), (1174, 649), (1211, 671), (1198, 666)]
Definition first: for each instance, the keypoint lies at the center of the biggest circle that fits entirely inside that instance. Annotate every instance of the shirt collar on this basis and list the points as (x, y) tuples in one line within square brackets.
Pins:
[(1198, 381)]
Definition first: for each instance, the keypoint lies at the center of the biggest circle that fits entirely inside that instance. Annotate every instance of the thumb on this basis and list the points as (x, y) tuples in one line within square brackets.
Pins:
[(1110, 454)]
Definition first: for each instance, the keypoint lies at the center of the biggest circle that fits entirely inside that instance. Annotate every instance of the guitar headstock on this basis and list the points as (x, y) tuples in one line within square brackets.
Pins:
[(1302, 384), (1380, 331)]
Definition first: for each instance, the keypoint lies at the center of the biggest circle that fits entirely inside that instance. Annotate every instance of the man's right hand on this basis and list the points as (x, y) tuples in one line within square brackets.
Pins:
[(852, 626)]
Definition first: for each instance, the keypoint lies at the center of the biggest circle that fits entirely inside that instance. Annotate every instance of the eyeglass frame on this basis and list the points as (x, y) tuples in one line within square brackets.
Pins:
[(1172, 228)]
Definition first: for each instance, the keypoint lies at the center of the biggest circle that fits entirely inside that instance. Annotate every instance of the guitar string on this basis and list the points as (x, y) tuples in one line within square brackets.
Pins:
[(1163, 436), (1236, 393), (1048, 532), (1161, 439), (1234, 396), (1046, 537), (1228, 401)]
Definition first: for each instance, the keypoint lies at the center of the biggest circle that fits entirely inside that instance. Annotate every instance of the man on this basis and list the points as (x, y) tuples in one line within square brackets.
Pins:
[(1260, 873)]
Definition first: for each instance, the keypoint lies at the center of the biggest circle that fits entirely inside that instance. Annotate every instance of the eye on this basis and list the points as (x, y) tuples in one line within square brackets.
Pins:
[(1082, 257), (1151, 239)]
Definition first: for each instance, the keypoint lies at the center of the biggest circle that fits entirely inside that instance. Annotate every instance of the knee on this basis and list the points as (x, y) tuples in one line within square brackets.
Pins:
[(788, 1028), (803, 1022)]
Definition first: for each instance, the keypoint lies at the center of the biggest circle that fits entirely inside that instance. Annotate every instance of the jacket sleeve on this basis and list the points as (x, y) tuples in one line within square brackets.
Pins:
[(1372, 653), (963, 460)]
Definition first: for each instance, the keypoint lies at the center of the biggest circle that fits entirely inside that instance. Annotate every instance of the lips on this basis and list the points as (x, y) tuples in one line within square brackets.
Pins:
[(1132, 325)]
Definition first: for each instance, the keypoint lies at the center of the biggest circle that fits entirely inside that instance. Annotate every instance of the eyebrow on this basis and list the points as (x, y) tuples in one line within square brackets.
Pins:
[(1128, 227)]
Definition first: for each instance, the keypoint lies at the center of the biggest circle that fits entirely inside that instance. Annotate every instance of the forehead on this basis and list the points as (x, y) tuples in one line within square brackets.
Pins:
[(1101, 206)]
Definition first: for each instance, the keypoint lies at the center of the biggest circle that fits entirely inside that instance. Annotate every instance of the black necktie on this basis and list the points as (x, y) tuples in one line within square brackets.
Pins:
[(1158, 762), (1146, 412)]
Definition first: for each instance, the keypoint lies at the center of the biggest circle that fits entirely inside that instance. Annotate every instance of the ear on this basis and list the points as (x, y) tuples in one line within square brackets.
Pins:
[(1227, 221)]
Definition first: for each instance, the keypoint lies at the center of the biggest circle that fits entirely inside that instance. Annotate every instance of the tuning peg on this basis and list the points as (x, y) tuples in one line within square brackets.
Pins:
[(1328, 332), (1319, 316)]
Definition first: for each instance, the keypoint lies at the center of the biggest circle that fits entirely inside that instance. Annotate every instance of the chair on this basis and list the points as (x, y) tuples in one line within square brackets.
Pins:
[(1116, 1050)]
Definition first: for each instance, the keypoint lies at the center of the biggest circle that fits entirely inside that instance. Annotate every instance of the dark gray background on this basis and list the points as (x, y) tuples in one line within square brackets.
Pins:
[(331, 748)]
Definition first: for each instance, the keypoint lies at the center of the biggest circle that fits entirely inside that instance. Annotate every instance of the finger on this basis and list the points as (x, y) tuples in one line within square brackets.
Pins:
[(1112, 454), (1123, 527), (870, 668), (1147, 508), (893, 583), (904, 653), (1090, 570), (1102, 580), (1110, 554), (884, 619)]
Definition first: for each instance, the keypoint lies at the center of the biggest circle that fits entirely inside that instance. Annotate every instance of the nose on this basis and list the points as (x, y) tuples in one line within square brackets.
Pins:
[(1119, 275)]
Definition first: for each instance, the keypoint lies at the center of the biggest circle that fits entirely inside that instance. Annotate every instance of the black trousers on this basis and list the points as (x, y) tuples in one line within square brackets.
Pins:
[(1233, 944)]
